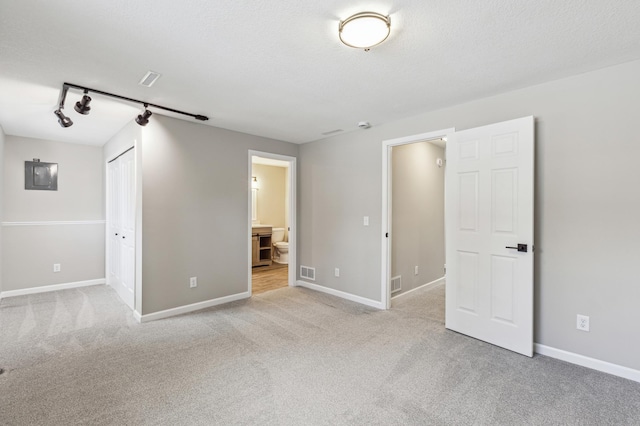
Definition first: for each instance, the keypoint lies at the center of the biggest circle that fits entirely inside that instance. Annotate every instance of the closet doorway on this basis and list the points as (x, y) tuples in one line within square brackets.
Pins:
[(272, 216), (121, 202)]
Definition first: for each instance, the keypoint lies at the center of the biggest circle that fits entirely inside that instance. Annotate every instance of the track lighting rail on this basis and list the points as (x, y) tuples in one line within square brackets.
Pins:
[(66, 122)]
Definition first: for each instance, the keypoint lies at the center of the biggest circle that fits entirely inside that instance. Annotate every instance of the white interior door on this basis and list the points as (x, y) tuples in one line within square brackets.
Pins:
[(121, 200), (489, 224)]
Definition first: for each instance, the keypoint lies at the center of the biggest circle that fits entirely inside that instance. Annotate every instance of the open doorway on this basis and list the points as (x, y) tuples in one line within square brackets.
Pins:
[(271, 222), (417, 216), (421, 262)]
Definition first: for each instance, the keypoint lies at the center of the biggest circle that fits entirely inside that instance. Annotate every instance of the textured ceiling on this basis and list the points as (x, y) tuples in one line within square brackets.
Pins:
[(278, 69)]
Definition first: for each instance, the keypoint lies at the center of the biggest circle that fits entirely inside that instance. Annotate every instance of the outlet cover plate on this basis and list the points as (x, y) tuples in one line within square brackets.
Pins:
[(582, 322)]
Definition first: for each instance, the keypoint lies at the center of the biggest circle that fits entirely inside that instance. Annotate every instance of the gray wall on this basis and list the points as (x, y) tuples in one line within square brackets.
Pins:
[(417, 237), (587, 205), (195, 216), (271, 194), (29, 252), (2, 138), (339, 182)]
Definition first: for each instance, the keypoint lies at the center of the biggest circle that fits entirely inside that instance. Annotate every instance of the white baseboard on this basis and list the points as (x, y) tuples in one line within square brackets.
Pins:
[(54, 287), (342, 294), (422, 287), (190, 308), (137, 316), (594, 364)]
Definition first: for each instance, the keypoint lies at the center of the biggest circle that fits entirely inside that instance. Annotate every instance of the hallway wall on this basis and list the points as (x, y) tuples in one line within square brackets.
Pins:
[(417, 235)]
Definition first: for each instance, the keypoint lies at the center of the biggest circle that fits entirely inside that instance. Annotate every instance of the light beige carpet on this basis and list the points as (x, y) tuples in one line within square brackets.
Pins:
[(290, 356)]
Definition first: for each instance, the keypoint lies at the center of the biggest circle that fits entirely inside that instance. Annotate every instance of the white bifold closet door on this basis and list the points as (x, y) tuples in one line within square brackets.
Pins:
[(121, 196)]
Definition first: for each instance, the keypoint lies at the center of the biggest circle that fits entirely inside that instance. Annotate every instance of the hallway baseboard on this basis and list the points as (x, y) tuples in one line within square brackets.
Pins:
[(54, 287), (422, 287)]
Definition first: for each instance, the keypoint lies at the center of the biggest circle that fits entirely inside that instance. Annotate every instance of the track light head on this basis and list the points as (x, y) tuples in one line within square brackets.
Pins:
[(143, 119), (63, 119), (82, 106)]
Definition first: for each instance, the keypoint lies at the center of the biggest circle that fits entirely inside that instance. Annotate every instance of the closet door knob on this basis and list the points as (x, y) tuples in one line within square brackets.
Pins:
[(116, 234)]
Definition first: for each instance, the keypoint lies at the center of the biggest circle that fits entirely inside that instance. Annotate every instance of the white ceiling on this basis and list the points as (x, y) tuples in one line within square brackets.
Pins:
[(278, 69)]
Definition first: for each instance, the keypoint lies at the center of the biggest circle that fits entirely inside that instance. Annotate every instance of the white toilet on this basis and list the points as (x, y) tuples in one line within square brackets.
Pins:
[(280, 247)]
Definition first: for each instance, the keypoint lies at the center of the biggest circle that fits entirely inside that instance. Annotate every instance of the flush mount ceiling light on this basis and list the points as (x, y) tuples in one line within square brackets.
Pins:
[(364, 30), (83, 107)]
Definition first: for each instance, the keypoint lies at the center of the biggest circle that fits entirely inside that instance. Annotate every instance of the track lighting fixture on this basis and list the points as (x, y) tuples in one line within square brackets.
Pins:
[(63, 119), (143, 119), (82, 106)]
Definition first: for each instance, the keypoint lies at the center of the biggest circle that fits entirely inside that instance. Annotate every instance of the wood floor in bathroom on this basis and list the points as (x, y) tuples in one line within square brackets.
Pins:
[(266, 278)]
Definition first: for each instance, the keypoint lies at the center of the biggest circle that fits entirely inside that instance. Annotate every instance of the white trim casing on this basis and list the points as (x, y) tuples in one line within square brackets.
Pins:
[(190, 308), (341, 294), (426, 286), (54, 287), (385, 288), (55, 223), (584, 361)]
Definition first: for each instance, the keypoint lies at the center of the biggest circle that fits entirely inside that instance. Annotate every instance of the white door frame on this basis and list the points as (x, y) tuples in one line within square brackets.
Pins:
[(292, 266), (385, 296)]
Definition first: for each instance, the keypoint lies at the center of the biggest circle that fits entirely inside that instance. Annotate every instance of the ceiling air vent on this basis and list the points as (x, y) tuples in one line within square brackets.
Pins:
[(331, 132), (149, 78)]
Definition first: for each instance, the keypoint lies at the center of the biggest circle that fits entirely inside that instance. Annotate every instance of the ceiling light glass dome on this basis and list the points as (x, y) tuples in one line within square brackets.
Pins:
[(364, 30)]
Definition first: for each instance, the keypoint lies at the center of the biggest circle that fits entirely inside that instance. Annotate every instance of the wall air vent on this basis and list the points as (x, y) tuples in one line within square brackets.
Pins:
[(308, 273), (396, 284), (149, 78)]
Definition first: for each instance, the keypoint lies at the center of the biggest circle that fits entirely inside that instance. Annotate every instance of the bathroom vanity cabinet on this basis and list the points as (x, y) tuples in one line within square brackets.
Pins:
[(261, 246)]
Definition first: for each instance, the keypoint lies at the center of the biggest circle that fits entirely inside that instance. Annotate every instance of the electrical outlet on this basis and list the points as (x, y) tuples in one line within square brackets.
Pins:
[(582, 323), (365, 221), (193, 282), (336, 272), (56, 267), (415, 270)]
